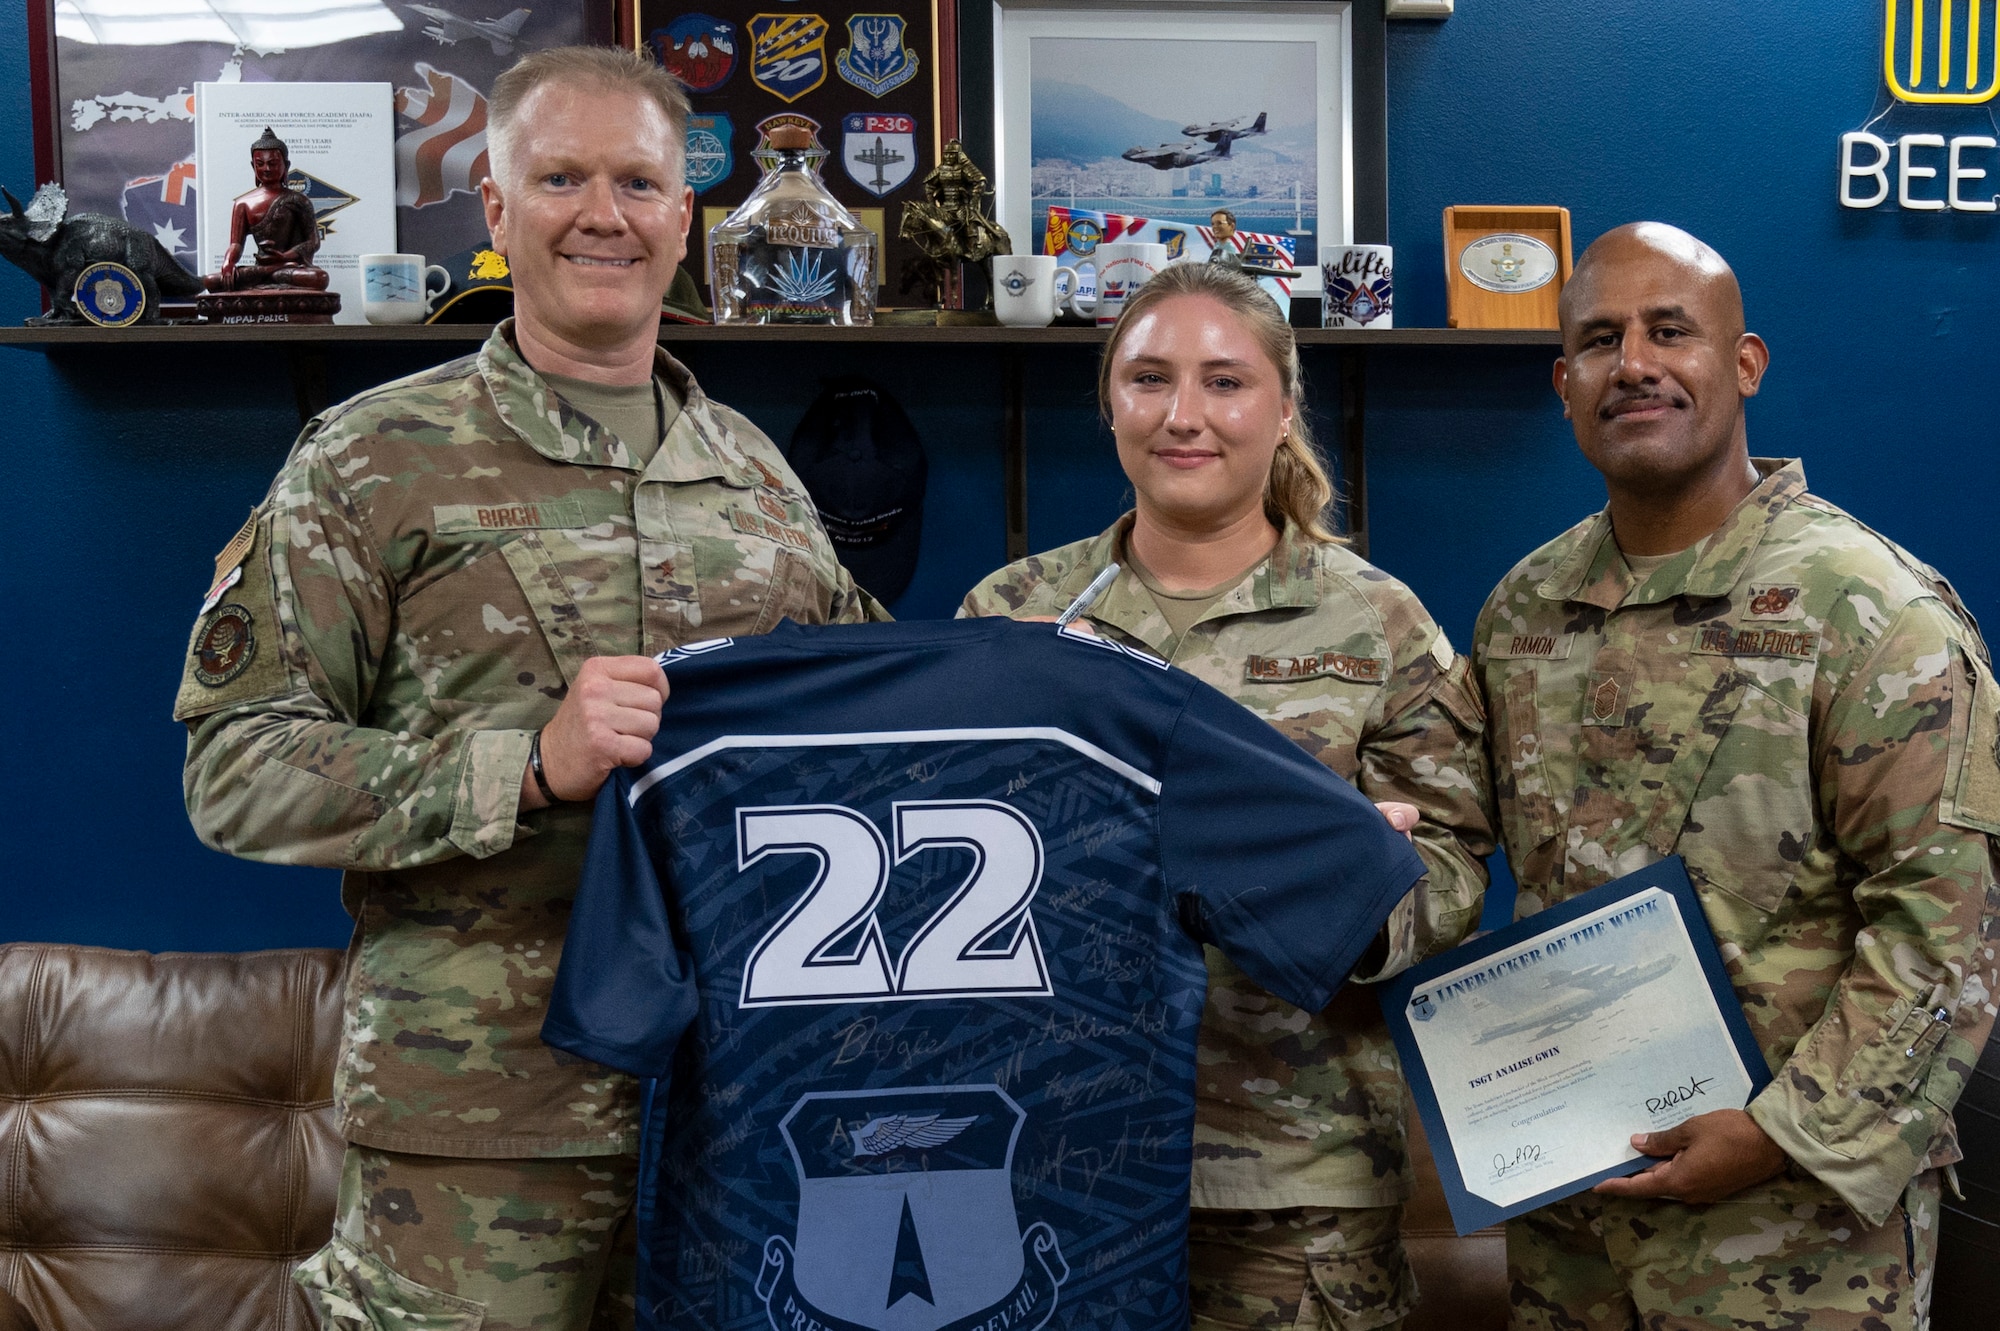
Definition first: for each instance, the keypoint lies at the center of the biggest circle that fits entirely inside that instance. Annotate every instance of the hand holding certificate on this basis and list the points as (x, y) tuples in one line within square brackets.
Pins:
[(1536, 1052)]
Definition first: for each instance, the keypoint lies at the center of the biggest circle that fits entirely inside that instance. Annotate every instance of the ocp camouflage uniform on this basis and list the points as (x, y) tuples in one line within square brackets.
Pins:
[(1807, 714), (1300, 1162), (435, 562)]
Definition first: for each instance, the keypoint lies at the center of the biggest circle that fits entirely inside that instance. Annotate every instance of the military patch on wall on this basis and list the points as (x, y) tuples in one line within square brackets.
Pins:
[(879, 90)]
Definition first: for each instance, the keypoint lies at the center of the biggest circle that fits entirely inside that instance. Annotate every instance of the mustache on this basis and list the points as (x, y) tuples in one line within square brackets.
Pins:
[(1642, 400)]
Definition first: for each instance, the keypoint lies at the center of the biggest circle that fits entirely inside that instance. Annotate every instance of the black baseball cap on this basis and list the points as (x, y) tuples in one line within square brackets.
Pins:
[(861, 461)]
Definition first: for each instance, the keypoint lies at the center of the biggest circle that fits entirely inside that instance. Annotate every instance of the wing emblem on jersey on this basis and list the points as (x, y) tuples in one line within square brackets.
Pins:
[(882, 1246), (898, 1132)]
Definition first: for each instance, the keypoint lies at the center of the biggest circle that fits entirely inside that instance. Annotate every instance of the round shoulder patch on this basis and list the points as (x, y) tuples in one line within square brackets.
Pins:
[(225, 647)]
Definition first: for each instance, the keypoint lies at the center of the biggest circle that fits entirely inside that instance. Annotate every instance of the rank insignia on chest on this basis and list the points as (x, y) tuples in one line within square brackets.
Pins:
[(1285, 669), (1604, 700), (1530, 646), (1774, 602)]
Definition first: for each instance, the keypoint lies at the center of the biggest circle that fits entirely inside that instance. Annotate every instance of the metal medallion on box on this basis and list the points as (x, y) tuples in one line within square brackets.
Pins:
[(697, 49), (787, 54), (1508, 261), (709, 159), (876, 60), (879, 151)]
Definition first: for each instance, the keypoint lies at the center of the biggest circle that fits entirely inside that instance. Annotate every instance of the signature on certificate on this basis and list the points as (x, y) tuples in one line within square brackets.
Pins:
[(1504, 1164), (1681, 1094)]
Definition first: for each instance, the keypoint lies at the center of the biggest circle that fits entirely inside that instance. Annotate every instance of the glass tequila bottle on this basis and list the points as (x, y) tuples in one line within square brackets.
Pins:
[(791, 254)]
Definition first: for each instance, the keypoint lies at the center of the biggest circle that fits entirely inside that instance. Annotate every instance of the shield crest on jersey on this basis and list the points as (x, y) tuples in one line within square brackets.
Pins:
[(876, 61), (879, 151), (709, 157), (906, 1216), (787, 54)]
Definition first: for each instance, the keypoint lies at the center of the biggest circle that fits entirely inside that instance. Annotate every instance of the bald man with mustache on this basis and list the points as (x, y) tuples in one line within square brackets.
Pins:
[(1721, 665)]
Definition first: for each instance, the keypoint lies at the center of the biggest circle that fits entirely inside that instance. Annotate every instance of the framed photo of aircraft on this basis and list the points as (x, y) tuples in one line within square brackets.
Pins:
[(1173, 112), (113, 90)]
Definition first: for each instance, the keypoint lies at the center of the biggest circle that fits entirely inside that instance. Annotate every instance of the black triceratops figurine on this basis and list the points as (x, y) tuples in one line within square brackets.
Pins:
[(55, 251)]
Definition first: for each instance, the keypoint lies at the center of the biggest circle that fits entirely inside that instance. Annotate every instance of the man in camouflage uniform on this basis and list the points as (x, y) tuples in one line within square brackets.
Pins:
[(1299, 1125), (423, 655), (1724, 667)]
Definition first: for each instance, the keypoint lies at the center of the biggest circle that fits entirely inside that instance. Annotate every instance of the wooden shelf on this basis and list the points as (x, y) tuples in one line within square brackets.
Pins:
[(306, 335)]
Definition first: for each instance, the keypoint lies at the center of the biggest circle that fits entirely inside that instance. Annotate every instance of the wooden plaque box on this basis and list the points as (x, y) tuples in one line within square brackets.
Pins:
[(1473, 304)]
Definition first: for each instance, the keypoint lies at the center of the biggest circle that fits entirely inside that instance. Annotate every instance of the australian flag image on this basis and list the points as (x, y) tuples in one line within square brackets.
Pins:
[(164, 206)]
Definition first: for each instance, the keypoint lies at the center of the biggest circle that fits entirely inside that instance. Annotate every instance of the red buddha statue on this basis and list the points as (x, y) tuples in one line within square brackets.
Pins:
[(279, 220)]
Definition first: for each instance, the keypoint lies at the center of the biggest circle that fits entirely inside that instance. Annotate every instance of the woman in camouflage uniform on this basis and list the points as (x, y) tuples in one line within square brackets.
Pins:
[(1229, 571)]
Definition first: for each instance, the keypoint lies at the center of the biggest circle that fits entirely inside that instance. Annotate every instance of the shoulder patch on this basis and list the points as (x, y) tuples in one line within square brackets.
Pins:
[(234, 655), (231, 557)]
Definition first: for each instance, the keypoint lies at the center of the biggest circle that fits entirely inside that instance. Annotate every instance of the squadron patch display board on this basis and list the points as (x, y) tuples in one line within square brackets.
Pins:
[(874, 84)]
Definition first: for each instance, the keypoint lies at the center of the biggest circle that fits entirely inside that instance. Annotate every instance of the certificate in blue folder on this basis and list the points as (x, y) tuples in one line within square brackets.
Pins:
[(1536, 1051)]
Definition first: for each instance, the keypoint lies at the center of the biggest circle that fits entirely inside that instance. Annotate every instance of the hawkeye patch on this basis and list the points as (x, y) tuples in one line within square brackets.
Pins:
[(226, 647), (1285, 669)]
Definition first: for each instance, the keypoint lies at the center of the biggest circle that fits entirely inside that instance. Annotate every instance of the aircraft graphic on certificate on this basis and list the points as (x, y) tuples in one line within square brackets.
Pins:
[(1537, 1051)]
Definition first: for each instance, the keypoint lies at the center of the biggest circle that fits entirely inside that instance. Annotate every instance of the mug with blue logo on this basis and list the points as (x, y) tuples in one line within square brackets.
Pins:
[(396, 288), (1359, 286)]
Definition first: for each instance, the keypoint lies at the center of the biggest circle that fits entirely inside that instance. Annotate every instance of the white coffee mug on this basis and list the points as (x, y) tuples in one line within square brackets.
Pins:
[(1359, 286), (396, 288), (1083, 298), (1123, 268), (1024, 289), (1065, 288)]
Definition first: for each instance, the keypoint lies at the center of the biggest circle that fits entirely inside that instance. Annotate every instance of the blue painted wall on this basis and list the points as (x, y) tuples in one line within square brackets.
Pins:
[(127, 468)]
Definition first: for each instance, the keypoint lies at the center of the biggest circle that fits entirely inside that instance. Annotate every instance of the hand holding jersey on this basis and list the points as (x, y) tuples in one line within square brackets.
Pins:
[(607, 720)]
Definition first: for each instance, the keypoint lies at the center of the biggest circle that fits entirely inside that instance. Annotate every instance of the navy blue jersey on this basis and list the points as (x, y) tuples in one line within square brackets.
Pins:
[(907, 921)]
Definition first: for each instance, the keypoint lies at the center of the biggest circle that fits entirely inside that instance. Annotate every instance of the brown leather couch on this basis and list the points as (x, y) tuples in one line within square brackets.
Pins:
[(168, 1151), (1462, 1281), (167, 1142)]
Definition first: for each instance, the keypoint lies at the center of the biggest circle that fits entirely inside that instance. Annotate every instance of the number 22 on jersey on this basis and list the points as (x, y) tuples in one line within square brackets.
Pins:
[(829, 948)]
